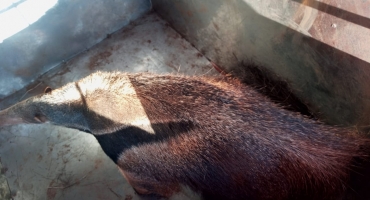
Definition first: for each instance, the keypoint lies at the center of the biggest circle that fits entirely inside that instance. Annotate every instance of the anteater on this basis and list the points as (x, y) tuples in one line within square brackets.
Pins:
[(216, 136)]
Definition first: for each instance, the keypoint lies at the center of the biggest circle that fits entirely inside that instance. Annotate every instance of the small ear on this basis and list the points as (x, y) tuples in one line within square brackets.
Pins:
[(40, 118), (47, 90)]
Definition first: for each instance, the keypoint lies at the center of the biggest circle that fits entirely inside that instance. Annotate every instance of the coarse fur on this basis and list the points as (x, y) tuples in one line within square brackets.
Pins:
[(214, 135), (271, 85)]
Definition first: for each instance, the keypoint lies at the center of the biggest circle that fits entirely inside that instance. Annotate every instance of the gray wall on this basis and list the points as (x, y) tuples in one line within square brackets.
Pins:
[(67, 29), (320, 48)]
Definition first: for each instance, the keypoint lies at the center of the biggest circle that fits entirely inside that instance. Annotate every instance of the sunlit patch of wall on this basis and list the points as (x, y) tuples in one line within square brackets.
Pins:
[(18, 17)]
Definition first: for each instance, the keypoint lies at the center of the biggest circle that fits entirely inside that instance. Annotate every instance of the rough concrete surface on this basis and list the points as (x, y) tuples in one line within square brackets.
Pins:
[(4, 188), (49, 162)]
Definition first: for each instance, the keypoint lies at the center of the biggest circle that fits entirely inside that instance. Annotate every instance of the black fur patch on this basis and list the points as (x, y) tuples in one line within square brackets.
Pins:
[(113, 144)]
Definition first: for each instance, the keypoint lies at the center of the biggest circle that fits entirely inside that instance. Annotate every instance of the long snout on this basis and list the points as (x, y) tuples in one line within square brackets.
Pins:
[(8, 118)]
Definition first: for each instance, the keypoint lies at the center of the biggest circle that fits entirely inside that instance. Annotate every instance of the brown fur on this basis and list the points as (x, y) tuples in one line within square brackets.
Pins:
[(216, 136), (243, 145)]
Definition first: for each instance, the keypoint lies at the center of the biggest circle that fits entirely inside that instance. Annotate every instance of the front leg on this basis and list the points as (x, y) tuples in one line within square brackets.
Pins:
[(148, 186)]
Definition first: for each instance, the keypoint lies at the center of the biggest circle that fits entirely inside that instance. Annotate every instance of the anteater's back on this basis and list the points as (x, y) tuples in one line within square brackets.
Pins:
[(236, 144)]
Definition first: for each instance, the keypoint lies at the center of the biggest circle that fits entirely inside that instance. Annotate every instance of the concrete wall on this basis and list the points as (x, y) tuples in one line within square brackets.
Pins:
[(70, 27), (320, 47)]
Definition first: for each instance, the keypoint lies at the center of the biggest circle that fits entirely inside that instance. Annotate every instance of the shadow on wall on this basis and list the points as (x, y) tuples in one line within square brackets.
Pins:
[(337, 12), (333, 83)]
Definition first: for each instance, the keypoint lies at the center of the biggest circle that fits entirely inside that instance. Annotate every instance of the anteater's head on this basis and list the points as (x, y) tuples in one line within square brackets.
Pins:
[(98, 104)]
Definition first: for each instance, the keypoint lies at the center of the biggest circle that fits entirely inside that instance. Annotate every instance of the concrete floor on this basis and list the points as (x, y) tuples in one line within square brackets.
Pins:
[(49, 162)]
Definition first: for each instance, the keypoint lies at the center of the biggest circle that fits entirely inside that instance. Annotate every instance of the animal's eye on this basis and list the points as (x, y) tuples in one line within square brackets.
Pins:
[(47, 90), (40, 118)]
